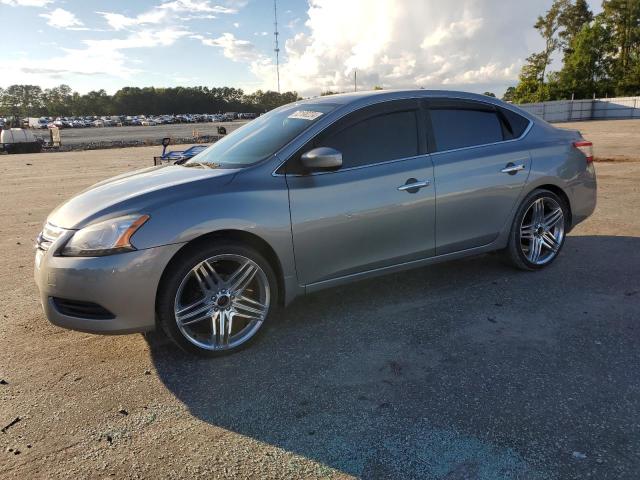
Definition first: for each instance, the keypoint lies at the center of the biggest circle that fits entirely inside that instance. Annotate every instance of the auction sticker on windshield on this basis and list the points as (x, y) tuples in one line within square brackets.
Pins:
[(305, 115)]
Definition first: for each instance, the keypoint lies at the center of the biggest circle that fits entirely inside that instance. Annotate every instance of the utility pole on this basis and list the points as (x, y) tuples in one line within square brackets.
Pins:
[(277, 48), (355, 80)]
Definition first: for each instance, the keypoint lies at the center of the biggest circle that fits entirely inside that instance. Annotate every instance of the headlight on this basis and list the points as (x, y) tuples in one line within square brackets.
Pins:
[(104, 238)]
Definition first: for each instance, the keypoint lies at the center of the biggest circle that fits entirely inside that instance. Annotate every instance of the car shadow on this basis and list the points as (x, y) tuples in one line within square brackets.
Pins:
[(468, 369)]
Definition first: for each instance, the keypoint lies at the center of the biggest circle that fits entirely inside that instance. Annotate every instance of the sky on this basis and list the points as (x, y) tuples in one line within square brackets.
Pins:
[(472, 45)]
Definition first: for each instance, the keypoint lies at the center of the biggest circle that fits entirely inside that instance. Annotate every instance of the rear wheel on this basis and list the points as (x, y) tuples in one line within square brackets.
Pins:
[(538, 231), (215, 300)]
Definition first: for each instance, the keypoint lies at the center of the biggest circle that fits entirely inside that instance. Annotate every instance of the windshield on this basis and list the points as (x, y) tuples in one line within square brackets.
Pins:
[(261, 137)]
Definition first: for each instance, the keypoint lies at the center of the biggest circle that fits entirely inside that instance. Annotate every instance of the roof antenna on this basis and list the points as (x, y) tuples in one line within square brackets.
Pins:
[(276, 49)]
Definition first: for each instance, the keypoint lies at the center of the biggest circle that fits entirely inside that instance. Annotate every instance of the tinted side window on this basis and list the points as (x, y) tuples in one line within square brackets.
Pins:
[(461, 127), (385, 137), (516, 124)]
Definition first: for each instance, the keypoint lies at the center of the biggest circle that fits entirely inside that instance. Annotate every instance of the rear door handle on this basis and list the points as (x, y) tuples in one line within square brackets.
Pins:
[(413, 185), (512, 168)]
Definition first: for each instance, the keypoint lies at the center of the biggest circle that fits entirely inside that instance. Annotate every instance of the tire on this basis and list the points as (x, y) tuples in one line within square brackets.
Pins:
[(534, 241), (214, 299)]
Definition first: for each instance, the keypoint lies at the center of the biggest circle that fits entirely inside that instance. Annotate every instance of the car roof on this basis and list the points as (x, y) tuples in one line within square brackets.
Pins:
[(345, 98), (363, 98)]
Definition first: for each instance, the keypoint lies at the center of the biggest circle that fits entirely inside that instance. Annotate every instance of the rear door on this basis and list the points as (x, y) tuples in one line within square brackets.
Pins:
[(480, 168), (363, 216)]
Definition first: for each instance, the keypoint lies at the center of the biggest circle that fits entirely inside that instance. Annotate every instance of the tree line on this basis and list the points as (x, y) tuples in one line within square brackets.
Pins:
[(600, 54), (61, 101)]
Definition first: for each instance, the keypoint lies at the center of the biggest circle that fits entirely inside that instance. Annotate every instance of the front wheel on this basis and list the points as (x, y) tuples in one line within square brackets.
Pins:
[(538, 231), (215, 300)]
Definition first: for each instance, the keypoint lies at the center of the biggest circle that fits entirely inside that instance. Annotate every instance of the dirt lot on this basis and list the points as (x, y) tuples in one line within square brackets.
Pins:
[(466, 370)]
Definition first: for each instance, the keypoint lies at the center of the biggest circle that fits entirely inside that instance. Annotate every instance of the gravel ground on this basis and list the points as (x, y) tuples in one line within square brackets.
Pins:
[(465, 370)]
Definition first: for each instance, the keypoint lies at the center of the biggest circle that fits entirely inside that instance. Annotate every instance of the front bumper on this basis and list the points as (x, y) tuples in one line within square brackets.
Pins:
[(125, 284)]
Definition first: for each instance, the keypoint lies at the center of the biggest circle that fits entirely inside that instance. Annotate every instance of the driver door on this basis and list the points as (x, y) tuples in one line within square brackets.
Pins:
[(365, 215)]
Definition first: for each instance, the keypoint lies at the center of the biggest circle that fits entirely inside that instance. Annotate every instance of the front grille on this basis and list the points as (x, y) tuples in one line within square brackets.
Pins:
[(80, 309), (49, 234)]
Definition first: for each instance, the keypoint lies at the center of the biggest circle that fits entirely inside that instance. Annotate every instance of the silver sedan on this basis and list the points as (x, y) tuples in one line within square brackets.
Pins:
[(314, 194)]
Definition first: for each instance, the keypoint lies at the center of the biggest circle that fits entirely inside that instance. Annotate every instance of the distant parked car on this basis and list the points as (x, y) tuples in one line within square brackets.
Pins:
[(148, 123), (98, 123), (38, 122)]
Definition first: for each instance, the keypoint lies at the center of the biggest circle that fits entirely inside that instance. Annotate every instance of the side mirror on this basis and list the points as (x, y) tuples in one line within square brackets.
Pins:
[(321, 159)]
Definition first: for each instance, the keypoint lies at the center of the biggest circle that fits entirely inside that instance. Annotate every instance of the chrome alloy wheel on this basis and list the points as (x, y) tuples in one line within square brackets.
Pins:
[(222, 302), (542, 231)]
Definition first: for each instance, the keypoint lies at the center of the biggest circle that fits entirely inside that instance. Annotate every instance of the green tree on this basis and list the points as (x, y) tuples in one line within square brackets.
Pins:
[(30, 100), (622, 18), (531, 82), (57, 101), (22, 100), (509, 94), (586, 66), (548, 27), (572, 18), (531, 87)]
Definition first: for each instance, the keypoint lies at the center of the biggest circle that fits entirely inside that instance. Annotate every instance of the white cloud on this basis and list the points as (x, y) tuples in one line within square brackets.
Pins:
[(26, 3), (117, 21), (98, 57), (114, 60), (467, 44), (232, 47), (202, 6), (166, 13), (60, 18)]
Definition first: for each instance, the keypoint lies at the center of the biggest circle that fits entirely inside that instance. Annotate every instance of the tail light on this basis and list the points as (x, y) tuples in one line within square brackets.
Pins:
[(586, 148)]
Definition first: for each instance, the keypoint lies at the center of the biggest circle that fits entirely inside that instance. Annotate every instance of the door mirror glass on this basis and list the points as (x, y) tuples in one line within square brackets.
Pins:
[(321, 159)]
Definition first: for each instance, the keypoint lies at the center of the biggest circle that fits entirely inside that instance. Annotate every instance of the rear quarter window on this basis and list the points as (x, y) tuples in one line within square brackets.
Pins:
[(516, 124)]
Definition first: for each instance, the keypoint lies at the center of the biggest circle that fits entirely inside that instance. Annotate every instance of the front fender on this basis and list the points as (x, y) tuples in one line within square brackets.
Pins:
[(249, 203)]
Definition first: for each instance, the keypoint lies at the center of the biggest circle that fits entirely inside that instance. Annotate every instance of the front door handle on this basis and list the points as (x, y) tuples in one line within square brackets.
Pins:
[(512, 168), (413, 185)]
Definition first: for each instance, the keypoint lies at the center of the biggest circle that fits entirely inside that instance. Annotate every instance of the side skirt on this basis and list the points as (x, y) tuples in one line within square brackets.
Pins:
[(314, 287)]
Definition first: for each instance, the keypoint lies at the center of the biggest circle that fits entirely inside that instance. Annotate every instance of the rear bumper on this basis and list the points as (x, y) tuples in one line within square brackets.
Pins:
[(124, 284), (584, 196)]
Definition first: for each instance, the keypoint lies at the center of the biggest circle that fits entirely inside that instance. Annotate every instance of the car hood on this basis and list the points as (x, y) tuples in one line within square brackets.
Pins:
[(137, 192)]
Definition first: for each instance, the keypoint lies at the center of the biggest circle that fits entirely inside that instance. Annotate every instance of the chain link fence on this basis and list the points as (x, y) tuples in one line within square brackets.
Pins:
[(576, 110)]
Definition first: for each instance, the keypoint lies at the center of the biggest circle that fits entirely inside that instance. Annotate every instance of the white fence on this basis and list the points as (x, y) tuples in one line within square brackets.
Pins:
[(575, 110)]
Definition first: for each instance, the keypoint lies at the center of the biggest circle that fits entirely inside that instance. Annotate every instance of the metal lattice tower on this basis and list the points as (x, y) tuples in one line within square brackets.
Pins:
[(277, 48)]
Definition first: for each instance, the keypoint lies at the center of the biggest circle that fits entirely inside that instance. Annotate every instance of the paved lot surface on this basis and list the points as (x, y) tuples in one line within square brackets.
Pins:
[(466, 370), (73, 136)]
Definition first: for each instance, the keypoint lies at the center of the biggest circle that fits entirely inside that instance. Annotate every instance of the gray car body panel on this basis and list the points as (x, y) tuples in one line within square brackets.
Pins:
[(334, 241), (125, 284)]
